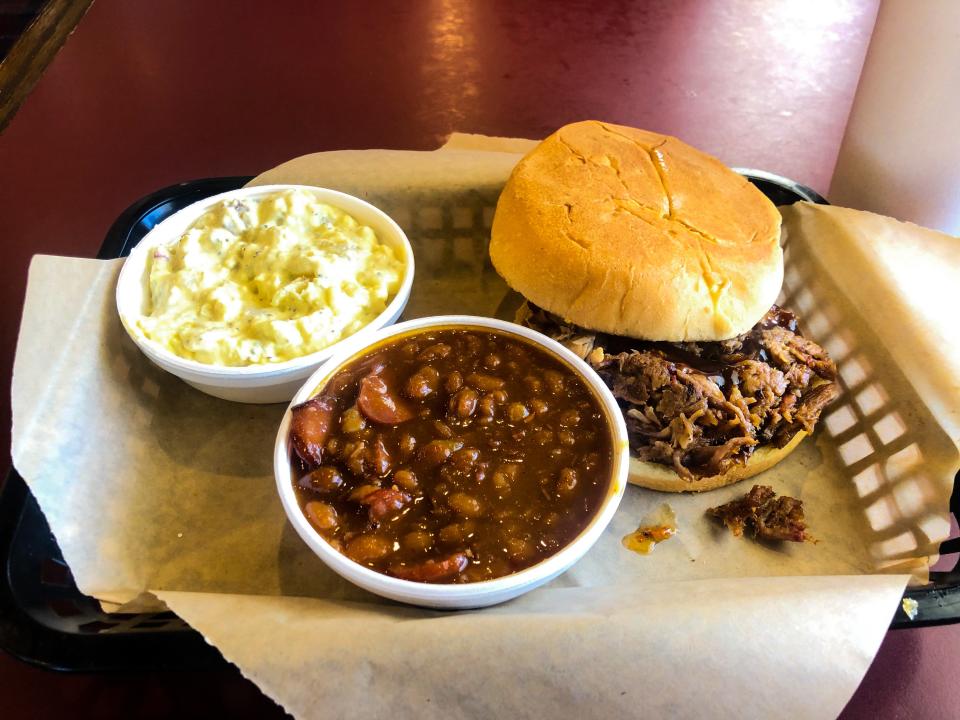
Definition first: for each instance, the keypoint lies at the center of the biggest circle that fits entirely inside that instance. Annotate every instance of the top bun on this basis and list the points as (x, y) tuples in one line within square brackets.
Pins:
[(634, 233)]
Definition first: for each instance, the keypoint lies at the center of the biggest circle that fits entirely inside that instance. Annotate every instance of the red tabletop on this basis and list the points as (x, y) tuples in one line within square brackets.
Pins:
[(147, 94)]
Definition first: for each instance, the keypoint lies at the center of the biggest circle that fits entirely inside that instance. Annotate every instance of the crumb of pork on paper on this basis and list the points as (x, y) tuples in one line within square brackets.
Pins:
[(764, 516)]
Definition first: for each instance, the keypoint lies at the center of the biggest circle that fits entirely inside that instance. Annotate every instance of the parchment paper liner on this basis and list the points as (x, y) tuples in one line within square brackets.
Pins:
[(152, 487)]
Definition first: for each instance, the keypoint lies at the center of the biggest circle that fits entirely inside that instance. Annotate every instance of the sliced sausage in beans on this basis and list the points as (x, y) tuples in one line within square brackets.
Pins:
[(432, 570), (379, 404)]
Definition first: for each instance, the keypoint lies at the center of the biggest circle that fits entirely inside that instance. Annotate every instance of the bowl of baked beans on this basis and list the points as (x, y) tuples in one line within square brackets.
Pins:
[(452, 461)]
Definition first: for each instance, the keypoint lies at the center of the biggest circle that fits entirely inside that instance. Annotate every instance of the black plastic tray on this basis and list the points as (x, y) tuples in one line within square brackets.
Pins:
[(45, 620)]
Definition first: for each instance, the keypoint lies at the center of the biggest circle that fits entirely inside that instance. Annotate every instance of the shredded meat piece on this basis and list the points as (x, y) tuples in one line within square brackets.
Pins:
[(704, 385), (701, 407), (760, 380), (812, 404), (723, 456), (764, 515), (576, 339), (786, 348)]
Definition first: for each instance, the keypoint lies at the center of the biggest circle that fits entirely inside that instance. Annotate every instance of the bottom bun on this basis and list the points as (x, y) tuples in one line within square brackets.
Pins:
[(661, 477)]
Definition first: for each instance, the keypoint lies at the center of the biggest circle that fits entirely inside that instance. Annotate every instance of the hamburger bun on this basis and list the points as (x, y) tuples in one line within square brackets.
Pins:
[(634, 233), (662, 477)]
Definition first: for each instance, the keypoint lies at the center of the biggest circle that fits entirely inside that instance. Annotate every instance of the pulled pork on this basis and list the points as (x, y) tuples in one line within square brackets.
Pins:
[(764, 515), (701, 407)]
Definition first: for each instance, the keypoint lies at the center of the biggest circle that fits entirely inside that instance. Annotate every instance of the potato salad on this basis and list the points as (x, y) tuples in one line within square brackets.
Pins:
[(267, 279)]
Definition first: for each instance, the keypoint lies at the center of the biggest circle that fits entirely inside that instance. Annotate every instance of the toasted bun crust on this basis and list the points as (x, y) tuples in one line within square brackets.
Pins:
[(661, 477), (639, 234)]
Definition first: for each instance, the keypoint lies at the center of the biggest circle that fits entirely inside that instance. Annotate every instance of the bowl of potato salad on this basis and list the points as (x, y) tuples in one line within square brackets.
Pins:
[(244, 294)]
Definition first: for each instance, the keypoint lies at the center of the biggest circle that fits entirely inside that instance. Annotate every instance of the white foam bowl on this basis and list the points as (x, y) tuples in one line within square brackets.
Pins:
[(268, 383), (466, 595)]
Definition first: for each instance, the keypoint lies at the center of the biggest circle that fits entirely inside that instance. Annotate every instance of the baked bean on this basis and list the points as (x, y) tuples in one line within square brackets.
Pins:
[(437, 451), (543, 437), (512, 470), (569, 418), (407, 480), (453, 382), (517, 352), (491, 361), (472, 344), (456, 533), (418, 540), (465, 458), (368, 548), (539, 406), (505, 476), (409, 349), (465, 505), (352, 422), (361, 491), (485, 382), (554, 382), (464, 403), (590, 461), (566, 438), (325, 479), (567, 482), (450, 474), (408, 443), (321, 515), (443, 430), (422, 383), (519, 550), (480, 474), (486, 409), (437, 351), (533, 384), (355, 456)]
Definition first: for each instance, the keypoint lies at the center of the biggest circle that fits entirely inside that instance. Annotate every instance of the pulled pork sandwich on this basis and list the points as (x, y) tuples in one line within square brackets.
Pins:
[(660, 266)]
